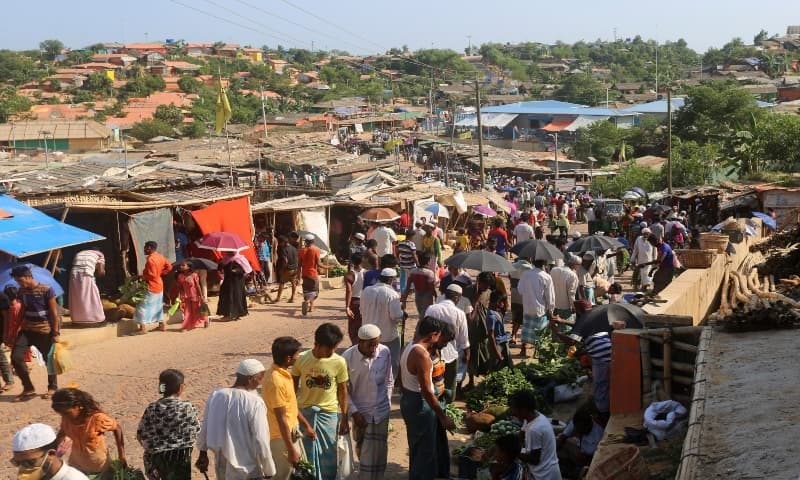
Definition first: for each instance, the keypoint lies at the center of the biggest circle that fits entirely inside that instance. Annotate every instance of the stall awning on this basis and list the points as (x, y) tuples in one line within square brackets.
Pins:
[(28, 231), (497, 120), (583, 121), (558, 125)]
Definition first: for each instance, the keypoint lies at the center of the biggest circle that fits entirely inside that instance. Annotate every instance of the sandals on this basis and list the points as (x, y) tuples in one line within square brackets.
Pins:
[(46, 396), (24, 396)]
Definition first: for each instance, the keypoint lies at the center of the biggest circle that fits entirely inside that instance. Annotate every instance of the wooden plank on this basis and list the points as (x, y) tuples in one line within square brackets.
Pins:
[(679, 366), (660, 319)]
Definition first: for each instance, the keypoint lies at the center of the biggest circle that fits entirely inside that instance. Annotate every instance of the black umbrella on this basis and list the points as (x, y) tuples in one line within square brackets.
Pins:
[(480, 260), (594, 243), (537, 250), (599, 319), (660, 209), (198, 263)]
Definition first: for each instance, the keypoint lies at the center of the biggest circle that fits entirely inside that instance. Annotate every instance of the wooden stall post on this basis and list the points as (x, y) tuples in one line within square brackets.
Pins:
[(668, 363)]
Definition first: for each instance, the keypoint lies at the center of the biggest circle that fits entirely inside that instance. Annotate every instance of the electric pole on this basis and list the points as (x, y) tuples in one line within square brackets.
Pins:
[(469, 43), (669, 140), (480, 130)]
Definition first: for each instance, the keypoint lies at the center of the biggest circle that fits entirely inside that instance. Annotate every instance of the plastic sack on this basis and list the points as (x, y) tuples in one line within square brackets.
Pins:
[(62, 359), (566, 393), (663, 419), (344, 454)]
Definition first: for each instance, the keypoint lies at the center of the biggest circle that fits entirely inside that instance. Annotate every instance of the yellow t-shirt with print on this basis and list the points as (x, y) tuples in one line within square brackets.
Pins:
[(319, 379)]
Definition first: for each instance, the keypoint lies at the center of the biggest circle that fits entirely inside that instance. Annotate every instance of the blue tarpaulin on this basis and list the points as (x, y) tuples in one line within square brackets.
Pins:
[(25, 231)]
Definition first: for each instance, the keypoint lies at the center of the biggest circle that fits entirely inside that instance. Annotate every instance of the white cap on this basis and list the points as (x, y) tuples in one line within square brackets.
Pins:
[(35, 435), (576, 234), (309, 237), (250, 367), (647, 230), (360, 236), (368, 331), (643, 225), (388, 272), (455, 288)]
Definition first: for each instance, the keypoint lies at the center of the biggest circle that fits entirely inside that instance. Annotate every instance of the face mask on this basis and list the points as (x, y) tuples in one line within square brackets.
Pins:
[(32, 473)]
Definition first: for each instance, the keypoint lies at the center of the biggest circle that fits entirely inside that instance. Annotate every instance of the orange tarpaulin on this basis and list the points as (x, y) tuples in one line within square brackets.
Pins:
[(229, 216)]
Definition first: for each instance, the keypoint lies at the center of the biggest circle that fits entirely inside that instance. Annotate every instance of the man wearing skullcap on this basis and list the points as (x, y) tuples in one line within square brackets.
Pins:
[(370, 397), (235, 428), (380, 306), (565, 284), (457, 350), (643, 253), (35, 456)]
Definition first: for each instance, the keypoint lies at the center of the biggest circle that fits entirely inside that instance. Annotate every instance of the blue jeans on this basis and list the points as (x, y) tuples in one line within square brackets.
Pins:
[(601, 376)]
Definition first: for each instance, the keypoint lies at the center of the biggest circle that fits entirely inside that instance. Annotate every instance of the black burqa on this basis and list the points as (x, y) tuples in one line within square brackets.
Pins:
[(232, 300)]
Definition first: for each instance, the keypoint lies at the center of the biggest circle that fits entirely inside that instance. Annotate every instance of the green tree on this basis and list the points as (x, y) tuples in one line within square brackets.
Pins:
[(760, 37), (692, 164), (777, 142), (16, 68), (601, 140), (631, 175), (169, 114), (581, 88), (97, 82), (189, 84), (12, 104), (51, 48), (196, 129), (147, 129), (82, 96)]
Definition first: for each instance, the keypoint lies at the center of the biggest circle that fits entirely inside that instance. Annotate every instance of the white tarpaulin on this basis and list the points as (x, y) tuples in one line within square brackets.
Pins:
[(460, 202), (314, 221), (419, 208), (583, 121), (499, 120)]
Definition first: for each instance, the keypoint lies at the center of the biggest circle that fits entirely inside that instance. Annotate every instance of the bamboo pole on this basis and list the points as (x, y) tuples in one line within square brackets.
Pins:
[(647, 370), (668, 364), (679, 366)]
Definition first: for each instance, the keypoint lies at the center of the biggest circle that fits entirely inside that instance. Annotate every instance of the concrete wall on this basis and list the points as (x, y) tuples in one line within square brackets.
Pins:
[(695, 292)]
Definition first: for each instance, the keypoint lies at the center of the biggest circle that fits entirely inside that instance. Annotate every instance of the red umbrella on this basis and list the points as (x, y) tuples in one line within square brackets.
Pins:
[(223, 242), (379, 214)]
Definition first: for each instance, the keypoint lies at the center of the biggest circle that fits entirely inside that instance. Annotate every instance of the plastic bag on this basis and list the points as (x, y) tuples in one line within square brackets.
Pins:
[(344, 455), (62, 359)]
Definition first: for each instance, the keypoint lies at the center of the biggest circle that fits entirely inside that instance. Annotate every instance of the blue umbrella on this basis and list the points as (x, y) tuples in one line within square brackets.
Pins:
[(766, 220), (41, 275)]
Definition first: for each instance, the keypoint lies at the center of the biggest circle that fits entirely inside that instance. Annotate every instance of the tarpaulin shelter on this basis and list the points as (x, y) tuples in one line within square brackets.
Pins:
[(230, 216), (25, 231)]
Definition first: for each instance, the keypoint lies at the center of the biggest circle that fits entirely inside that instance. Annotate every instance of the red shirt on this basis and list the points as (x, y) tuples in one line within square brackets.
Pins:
[(154, 268), (309, 259), (405, 220)]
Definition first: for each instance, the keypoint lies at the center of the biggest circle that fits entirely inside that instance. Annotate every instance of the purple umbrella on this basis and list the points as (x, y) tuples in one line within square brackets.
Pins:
[(484, 210)]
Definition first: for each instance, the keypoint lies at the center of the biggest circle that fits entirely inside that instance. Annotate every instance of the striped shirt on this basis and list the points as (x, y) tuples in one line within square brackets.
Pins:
[(406, 253), (598, 347)]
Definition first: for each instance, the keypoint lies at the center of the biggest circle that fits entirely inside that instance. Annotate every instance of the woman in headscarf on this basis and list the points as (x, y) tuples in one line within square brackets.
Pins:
[(188, 290), (232, 301), (168, 430)]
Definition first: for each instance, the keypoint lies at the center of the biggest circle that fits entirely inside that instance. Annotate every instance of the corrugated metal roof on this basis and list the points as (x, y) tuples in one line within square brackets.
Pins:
[(553, 107), (299, 202), (498, 120), (77, 129)]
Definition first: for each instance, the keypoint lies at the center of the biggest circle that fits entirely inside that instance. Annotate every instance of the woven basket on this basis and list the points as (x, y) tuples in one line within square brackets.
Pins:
[(627, 464), (713, 241), (696, 258)]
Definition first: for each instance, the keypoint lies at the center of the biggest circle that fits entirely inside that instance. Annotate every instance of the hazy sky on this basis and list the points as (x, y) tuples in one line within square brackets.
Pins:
[(371, 26)]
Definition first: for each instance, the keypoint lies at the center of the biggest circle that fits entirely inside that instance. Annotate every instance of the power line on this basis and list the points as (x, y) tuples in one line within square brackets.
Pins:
[(236, 14)]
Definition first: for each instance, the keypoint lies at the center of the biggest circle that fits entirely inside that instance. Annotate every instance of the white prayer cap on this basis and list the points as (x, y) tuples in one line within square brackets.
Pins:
[(35, 435), (647, 230), (576, 234), (359, 236), (250, 367), (388, 272), (309, 237), (455, 288), (643, 225), (368, 331)]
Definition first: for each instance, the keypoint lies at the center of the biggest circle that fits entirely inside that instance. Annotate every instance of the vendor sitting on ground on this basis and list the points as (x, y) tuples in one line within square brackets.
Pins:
[(578, 442), (505, 464)]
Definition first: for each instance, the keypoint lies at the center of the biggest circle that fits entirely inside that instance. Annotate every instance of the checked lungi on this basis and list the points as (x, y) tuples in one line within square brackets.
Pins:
[(372, 448), (532, 327)]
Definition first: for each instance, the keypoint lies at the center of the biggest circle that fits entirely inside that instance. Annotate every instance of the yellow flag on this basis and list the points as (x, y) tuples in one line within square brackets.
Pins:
[(223, 108)]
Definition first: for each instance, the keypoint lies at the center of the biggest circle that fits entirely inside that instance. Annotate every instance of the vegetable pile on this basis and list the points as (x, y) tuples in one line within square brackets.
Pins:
[(496, 388), (499, 429), (456, 415), (120, 472)]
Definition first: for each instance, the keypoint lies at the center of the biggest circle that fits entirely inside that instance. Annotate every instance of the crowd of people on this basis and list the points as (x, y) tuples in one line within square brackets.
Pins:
[(310, 399)]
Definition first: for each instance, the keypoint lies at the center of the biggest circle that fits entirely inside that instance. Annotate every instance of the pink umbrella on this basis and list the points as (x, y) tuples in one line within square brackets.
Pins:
[(484, 210), (223, 242)]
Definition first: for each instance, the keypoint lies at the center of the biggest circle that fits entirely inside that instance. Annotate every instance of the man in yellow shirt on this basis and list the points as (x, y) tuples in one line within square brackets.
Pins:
[(283, 414), (321, 378)]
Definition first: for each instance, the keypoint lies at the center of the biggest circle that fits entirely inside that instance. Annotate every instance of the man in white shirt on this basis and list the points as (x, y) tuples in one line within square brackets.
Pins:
[(523, 231), (565, 284), (539, 453), (419, 234), (370, 397), (386, 239), (538, 302), (457, 350), (643, 252), (34, 450), (380, 306), (235, 428)]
